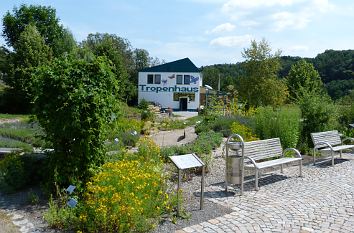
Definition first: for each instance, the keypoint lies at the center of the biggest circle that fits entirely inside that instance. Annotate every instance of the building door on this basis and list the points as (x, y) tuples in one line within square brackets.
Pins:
[(183, 102)]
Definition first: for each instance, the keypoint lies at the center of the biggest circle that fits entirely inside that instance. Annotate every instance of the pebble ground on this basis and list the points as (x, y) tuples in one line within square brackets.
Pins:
[(320, 201)]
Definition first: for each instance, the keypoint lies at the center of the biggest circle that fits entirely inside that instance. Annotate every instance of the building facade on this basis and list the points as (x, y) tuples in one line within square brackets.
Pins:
[(173, 85)]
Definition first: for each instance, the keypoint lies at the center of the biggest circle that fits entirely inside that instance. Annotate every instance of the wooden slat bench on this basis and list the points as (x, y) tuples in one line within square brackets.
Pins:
[(328, 141), (258, 151)]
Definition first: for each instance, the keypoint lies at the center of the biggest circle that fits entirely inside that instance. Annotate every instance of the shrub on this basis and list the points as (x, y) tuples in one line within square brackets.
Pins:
[(143, 104), (147, 115), (61, 216), (221, 124), (318, 114), (12, 173), (283, 122), (245, 132), (126, 131), (18, 171), (202, 146), (126, 196), (76, 112)]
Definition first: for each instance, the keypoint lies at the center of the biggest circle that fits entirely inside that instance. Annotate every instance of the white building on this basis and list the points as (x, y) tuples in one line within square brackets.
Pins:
[(175, 84)]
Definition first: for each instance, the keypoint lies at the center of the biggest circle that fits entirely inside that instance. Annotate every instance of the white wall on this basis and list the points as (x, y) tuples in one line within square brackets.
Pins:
[(163, 93)]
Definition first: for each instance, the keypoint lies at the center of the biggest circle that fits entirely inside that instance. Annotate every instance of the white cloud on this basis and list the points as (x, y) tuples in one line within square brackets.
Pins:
[(321, 5), (249, 23), (231, 41), (285, 20), (278, 14), (232, 5), (225, 27)]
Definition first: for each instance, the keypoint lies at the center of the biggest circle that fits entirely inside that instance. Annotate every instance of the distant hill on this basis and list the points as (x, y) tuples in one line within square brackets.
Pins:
[(336, 68)]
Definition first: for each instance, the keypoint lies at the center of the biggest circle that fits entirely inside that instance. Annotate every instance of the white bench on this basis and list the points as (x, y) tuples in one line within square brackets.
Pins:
[(259, 153), (328, 141)]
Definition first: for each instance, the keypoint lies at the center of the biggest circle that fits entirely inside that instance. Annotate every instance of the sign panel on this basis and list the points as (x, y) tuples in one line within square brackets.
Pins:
[(186, 161)]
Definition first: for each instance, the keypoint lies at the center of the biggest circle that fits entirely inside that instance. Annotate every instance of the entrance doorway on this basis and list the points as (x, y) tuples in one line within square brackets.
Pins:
[(183, 102)]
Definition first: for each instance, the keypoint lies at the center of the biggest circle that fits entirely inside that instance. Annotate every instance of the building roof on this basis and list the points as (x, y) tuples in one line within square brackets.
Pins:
[(182, 65)]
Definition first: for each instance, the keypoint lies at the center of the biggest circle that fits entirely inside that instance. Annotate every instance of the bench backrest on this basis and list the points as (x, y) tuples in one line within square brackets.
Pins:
[(331, 137), (263, 149)]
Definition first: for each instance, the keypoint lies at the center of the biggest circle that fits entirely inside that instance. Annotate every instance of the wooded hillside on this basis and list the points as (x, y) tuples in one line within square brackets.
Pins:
[(336, 69)]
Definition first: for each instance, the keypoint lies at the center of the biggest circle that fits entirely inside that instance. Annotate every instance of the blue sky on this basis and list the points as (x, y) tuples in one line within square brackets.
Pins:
[(210, 31)]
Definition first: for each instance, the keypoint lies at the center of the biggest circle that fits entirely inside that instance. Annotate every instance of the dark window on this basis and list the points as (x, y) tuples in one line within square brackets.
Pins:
[(187, 79), (157, 78), (179, 79), (150, 79)]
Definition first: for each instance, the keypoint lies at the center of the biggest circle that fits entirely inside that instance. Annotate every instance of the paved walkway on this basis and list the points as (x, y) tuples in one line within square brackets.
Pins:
[(321, 201), (175, 137)]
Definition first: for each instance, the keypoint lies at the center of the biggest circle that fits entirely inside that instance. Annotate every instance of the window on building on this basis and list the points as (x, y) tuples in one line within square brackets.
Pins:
[(150, 79), (187, 79), (179, 79), (157, 78)]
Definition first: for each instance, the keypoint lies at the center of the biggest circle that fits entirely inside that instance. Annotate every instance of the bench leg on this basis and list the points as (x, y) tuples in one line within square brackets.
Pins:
[(314, 156), (281, 168), (332, 158), (340, 153), (256, 180), (300, 168)]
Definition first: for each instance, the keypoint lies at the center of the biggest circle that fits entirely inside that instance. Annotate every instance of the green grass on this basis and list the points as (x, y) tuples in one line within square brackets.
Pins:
[(11, 143), (23, 134), (170, 124), (26, 135), (22, 118)]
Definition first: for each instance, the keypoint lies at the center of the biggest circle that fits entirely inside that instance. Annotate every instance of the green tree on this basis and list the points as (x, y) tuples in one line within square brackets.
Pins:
[(303, 78), (259, 81), (31, 51), (119, 52), (141, 59), (4, 62), (44, 18), (318, 114), (75, 112)]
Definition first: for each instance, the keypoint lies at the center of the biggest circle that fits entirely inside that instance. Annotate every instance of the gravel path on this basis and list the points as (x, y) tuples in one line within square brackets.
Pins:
[(191, 196), (28, 218)]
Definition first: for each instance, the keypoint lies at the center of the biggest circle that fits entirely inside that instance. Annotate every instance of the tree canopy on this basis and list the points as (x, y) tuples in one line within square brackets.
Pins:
[(303, 78), (259, 84), (59, 39)]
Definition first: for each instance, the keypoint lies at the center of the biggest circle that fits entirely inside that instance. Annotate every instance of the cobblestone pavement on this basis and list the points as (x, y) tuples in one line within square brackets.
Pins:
[(320, 201)]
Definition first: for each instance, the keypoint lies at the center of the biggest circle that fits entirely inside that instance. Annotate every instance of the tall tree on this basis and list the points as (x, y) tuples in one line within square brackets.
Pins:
[(31, 51), (4, 62), (119, 52), (259, 81), (59, 39), (303, 78)]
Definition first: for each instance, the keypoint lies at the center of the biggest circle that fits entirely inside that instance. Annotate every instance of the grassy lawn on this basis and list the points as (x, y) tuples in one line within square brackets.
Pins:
[(21, 133), (6, 225), (14, 116)]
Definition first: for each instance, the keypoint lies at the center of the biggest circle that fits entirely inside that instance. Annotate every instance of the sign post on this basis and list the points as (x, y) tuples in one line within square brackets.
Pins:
[(187, 161)]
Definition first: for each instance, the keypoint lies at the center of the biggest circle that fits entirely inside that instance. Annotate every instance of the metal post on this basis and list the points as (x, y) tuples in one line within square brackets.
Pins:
[(242, 166), (178, 190), (227, 155), (202, 189)]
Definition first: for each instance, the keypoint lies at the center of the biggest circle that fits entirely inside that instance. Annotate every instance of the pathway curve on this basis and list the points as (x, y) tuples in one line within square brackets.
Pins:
[(175, 137), (321, 201)]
